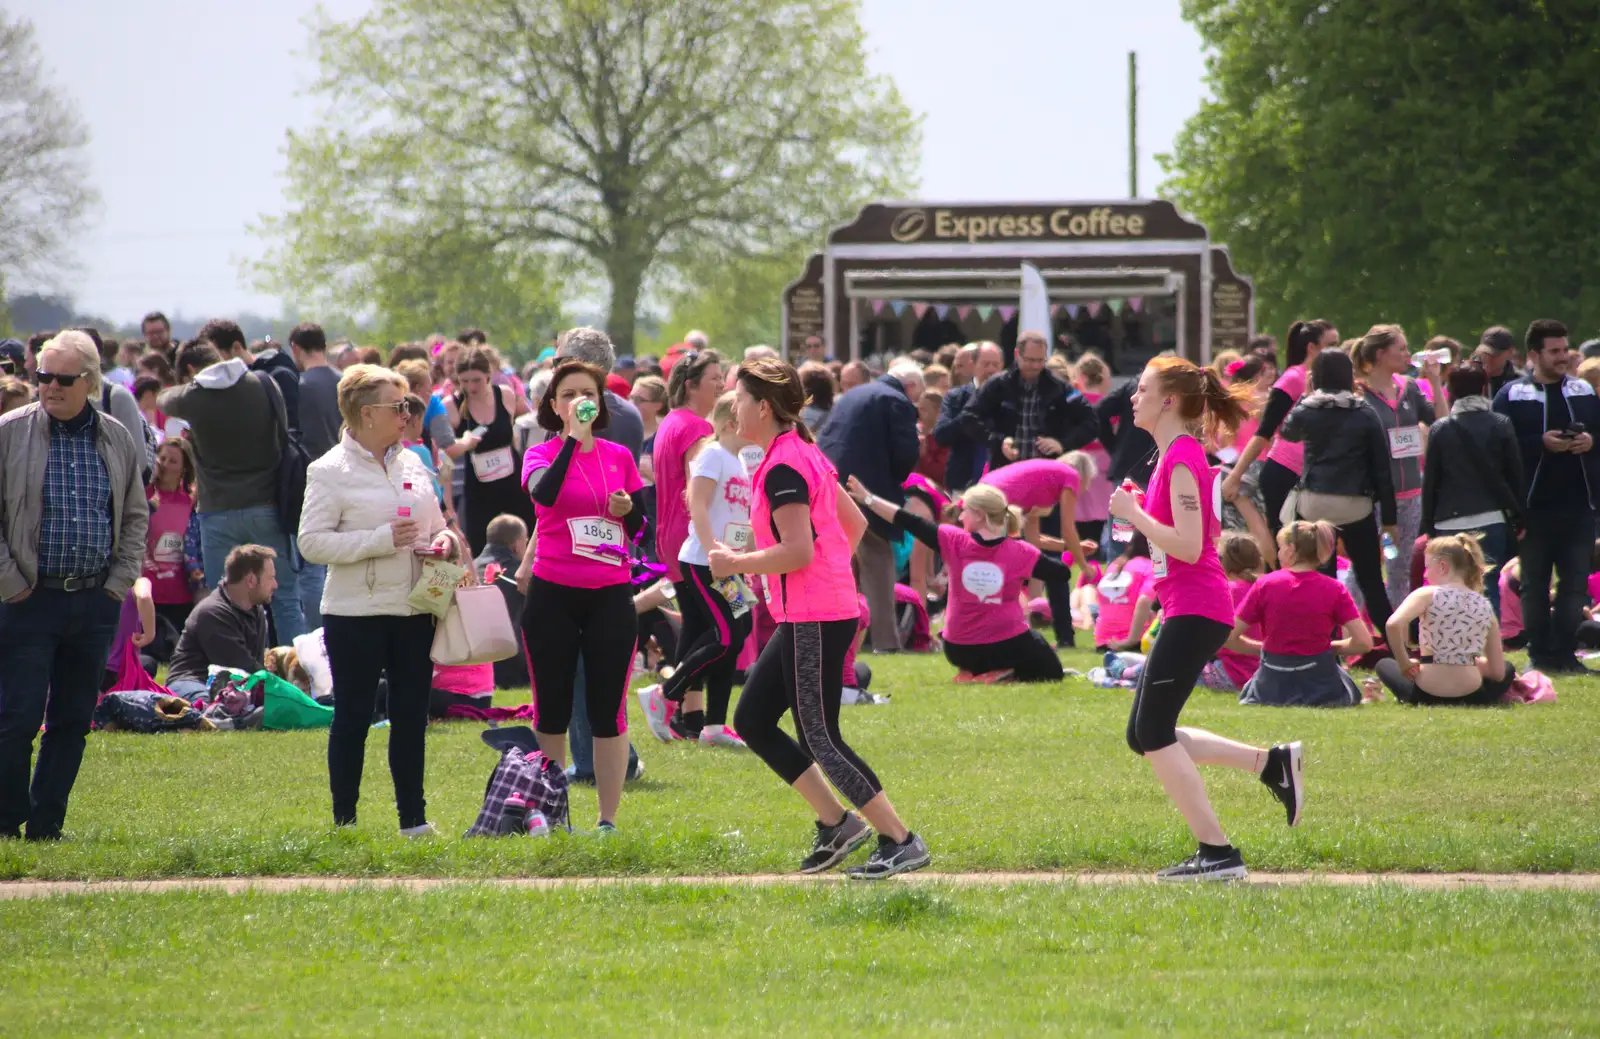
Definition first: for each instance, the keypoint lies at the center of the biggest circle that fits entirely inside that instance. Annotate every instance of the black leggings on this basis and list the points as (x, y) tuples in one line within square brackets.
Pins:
[(801, 668), (559, 623), (360, 649), (1405, 690), (1184, 647), (1028, 654), (1362, 540), (1276, 481), (712, 639)]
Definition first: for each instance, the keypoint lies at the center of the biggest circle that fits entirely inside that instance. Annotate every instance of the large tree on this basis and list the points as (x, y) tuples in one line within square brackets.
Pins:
[(45, 194), (1431, 162), (637, 137)]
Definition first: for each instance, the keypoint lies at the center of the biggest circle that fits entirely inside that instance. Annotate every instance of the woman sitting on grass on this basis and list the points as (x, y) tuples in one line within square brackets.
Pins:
[(1456, 625), (986, 635), (1126, 599), (1296, 607)]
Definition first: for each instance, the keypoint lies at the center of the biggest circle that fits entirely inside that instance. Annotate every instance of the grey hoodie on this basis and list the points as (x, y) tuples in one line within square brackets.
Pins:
[(231, 427)]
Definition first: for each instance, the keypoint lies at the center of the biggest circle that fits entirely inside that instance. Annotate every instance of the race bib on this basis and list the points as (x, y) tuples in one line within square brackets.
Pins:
[(169, 548), (1405, 442), (984, 580), (738, 535), (1158, 562), (751, 455), (493, 465), (602, 540)]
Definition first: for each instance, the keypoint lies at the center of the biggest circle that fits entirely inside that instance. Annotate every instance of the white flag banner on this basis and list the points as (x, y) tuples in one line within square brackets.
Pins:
[(1035, 312)]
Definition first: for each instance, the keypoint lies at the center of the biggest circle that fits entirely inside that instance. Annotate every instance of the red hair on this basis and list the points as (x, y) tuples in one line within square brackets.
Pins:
[(1201, 394)]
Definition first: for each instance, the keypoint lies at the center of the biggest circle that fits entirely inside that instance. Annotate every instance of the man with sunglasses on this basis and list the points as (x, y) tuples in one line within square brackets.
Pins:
[(12, 359), (72, 540)]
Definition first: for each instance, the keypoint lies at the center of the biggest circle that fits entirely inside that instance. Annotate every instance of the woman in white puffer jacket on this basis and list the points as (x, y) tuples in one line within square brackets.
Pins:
[(361, 521)]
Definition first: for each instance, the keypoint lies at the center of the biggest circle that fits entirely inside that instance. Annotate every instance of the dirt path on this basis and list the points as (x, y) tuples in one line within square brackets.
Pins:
[(240, 885)]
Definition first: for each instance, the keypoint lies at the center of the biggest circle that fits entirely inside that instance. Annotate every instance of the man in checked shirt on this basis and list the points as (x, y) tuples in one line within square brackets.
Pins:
[(72, 541)]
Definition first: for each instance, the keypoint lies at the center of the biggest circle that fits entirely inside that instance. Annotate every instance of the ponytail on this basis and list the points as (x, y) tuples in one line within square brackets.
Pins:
[(1013, 521), (1225, 407), (1302, 336), (1310, 542), (1080, 463)]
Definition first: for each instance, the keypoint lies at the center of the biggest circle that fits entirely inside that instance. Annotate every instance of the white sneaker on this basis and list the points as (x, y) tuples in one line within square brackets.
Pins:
[(425, 830), (721, 736), (657, 712)]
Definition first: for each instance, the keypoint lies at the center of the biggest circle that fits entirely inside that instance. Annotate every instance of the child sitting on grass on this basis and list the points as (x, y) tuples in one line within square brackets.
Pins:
[(1295, 608)]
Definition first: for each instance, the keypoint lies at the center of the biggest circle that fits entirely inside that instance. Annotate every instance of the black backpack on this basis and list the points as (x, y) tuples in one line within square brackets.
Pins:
[(293, 459)]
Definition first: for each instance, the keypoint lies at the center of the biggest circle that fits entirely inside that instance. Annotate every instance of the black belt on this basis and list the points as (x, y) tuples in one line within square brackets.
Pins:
[(73, 584)]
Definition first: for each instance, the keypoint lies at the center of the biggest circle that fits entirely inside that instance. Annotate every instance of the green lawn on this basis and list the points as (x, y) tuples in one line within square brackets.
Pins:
[(830, 959), (995, 778)]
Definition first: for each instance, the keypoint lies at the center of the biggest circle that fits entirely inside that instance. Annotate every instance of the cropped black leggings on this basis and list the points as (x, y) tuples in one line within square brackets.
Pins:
[(801, 668), (1186, 644), (558, 624), (712, 639), (1405, 690), (1276, 481), (1027, 654)]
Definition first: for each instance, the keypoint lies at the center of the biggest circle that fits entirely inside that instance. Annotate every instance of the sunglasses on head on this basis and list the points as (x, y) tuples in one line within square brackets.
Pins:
[(46, 378)]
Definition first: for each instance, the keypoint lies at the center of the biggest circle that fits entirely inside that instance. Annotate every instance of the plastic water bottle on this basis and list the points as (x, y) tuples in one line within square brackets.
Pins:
[(407, 500), (516, 817), (1121, 529), (1389, 549), (587, 410), (538, 825)]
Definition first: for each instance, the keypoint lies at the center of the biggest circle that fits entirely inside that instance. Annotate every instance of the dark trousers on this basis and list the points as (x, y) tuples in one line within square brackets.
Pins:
[(1276, 481), (53, 649), (1027, 654), (1363, 542), (712, 639), (1561, 540), (360, 649)]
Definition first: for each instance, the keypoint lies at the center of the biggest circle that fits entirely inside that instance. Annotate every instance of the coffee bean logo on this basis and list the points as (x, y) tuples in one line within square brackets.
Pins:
[(909, 225)]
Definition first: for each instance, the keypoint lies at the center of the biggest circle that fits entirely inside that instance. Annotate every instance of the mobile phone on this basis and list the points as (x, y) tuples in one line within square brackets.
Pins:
[(1573, 431), (429, 550)]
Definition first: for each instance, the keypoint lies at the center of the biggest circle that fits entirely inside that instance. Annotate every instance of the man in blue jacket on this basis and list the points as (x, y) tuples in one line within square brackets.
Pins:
[(968, 453), (1555, 416), (1027, 412), (872, 435)]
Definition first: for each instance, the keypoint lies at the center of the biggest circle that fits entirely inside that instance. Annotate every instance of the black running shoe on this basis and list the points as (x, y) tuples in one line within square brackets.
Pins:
[(1285, 777), (1203, 866), (835, 843), (889, 858), (681, 729)]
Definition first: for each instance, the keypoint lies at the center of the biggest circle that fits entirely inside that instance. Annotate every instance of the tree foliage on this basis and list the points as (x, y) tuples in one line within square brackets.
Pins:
[(45, 194), (635, 138), (1431, 162)]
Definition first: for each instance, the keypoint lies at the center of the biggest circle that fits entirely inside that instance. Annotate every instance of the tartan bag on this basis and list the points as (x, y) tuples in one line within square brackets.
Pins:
[(541, 782)]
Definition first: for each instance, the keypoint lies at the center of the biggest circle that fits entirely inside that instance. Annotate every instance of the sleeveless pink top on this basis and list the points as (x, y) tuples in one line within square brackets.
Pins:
[(824, 589)]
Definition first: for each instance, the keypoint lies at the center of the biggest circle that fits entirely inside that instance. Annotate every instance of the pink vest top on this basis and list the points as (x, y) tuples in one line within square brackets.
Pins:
[(824, 589)]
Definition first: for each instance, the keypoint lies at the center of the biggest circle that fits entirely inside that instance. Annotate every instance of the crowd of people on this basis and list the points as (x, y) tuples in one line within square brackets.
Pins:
[(1257, 526)]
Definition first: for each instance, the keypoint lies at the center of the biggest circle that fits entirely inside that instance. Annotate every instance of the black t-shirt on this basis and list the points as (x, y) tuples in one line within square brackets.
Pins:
[(1559, 483), (784, 486)]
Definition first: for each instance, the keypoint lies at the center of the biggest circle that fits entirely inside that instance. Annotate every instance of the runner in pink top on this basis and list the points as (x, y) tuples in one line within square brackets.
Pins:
[(986, 635), (1179, 517), (580, 594), (805, 531), (693, 387)]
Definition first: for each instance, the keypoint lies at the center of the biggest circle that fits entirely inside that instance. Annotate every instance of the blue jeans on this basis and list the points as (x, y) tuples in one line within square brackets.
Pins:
[(308, 586), (187, 688), (53, 649), (222, 532), (580, 738)]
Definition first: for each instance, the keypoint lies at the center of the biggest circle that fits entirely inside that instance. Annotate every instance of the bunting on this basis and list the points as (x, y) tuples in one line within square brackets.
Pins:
[(1093, 307), (1007, 313), (1136, 303), (984, 311), (918, 310), (1055, 310), (898, 306), (941, 310), (1073, 309), (963, 312), (878, 305), (1115, 305)]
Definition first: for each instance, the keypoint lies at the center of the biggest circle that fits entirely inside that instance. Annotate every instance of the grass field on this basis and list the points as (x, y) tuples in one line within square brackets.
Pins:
[(995, 778), (831, 959)]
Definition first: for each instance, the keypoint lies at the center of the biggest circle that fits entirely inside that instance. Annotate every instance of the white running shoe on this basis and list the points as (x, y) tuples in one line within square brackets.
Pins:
[(425, 830), (721, 736), (657, 712)]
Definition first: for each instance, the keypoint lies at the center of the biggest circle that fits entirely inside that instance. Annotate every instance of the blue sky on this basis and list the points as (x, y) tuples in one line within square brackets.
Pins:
[(188, 101)]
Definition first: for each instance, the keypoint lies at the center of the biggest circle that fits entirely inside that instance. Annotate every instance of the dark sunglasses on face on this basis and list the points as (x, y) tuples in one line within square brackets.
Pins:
[(8, 366), (396, 406), (46, 378)]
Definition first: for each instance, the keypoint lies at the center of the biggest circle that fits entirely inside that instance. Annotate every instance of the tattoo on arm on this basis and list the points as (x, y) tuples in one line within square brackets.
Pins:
[(1189, 502)]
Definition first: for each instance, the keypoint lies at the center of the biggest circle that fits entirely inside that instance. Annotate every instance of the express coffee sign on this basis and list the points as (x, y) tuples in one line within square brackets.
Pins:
[(998, 223)]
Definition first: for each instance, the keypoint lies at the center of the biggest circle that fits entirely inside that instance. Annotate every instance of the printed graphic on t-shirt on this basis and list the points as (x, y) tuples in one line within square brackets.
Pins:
[(984, 580)]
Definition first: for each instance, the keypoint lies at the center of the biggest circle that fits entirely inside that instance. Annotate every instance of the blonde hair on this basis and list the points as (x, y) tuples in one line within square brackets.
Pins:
[(1311, 542), (991, 502), (1462, 554), (415, 372), (1221, 360), (79, 343), (359, 387), (1378, 339), (1240, 555), (1092, 369), (1083, 465), (1589, 371)]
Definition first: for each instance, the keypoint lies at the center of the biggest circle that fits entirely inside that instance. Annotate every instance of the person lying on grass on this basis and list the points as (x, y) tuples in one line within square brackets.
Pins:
[(986, 635)]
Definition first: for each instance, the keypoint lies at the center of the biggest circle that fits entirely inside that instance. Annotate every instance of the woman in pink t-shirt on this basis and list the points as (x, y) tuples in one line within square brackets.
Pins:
[(171, 499), (693, 386), (805, 531), (986, 637), (1180, 516), (1037, 487), (1285, 461), (580, 597), (1296, 608)]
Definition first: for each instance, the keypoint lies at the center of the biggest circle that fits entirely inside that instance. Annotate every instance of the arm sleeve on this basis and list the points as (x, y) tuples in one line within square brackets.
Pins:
[(925, 531), (1293, 427), (546, 485), (1426, 413), (1278, 406), (1052, 570), (1378, 459)]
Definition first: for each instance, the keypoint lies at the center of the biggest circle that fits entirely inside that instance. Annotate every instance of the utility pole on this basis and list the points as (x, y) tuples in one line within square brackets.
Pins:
[(1133, 124)]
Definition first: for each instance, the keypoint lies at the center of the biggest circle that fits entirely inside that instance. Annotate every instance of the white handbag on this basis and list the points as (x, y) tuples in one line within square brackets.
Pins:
[(477, 629)]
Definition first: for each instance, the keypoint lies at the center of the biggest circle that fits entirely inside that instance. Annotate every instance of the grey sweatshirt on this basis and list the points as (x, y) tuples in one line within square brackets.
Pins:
[(235, 442)]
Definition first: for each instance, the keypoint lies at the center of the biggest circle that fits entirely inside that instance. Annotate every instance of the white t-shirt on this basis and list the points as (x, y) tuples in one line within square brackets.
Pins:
[(730, 502)]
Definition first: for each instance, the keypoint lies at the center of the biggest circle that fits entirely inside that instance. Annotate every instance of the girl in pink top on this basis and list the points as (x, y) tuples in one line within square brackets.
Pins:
[(1179, 515), (171, 499), (805, 531), (1125, 601), (1093, 379), (986, 637), (693, 387), (1285, 461), (580, 597)]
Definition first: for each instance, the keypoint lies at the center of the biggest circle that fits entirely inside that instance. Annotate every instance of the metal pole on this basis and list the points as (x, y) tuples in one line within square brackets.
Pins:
[(1133, 125)]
